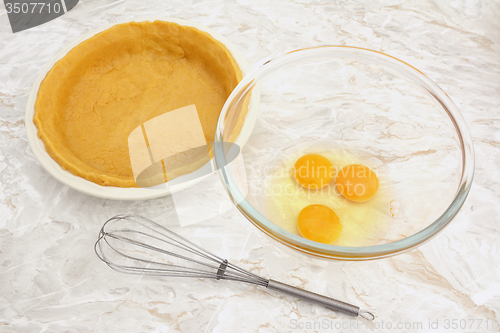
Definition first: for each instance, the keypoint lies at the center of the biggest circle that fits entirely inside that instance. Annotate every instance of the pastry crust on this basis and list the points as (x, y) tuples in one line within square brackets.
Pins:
[(108, 85)]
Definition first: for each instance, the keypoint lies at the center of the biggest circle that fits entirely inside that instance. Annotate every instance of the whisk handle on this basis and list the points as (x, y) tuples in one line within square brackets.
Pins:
[(328, 302)]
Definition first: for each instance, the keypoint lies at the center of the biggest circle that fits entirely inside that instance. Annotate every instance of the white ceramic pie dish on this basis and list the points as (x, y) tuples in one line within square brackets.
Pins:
[(119, 193)]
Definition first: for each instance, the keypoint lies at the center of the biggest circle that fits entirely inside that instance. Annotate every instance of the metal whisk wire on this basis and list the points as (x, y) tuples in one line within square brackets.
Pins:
[(106, 247), (135, 245)]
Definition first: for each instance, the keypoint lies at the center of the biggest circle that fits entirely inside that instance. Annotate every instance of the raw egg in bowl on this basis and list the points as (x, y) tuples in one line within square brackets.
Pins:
[(354, 154)]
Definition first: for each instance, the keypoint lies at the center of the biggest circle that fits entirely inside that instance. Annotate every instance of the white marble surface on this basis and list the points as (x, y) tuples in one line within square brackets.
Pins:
[(51, 280)]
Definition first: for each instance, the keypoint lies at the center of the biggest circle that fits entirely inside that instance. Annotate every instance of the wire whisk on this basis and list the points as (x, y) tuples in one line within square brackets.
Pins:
[(135, 245)]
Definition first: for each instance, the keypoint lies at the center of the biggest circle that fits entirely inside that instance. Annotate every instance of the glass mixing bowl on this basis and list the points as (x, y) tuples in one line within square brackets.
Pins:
[(350, 104)]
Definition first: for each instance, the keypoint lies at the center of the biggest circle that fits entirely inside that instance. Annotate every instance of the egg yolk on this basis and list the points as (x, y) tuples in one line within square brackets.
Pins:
[(319, 223), (357, 182), (313, 171)]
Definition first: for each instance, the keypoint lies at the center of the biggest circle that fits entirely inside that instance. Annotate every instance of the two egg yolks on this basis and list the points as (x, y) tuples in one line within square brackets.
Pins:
[(355, 182)]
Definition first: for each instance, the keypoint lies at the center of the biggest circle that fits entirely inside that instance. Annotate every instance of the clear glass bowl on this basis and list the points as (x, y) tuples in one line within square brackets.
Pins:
[(360, 105)]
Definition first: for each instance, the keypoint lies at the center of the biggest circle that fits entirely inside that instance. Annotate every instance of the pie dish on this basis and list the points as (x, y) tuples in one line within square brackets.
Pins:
[(100, 88)]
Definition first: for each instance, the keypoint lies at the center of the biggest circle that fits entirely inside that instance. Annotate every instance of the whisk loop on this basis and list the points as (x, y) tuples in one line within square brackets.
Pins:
[(135, 245)]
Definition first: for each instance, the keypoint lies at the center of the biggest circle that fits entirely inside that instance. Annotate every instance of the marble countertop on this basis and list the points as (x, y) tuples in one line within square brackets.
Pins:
[(51, 280)]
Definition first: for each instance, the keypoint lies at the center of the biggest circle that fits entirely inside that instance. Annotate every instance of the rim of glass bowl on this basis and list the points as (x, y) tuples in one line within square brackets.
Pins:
[(333, 251)]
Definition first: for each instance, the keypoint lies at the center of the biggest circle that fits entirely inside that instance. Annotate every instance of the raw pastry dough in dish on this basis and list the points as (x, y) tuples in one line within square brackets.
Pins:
[(113, 82)]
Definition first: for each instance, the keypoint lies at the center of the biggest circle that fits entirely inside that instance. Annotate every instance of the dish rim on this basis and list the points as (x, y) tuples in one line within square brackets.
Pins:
[(113, 192), (341, 252)]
